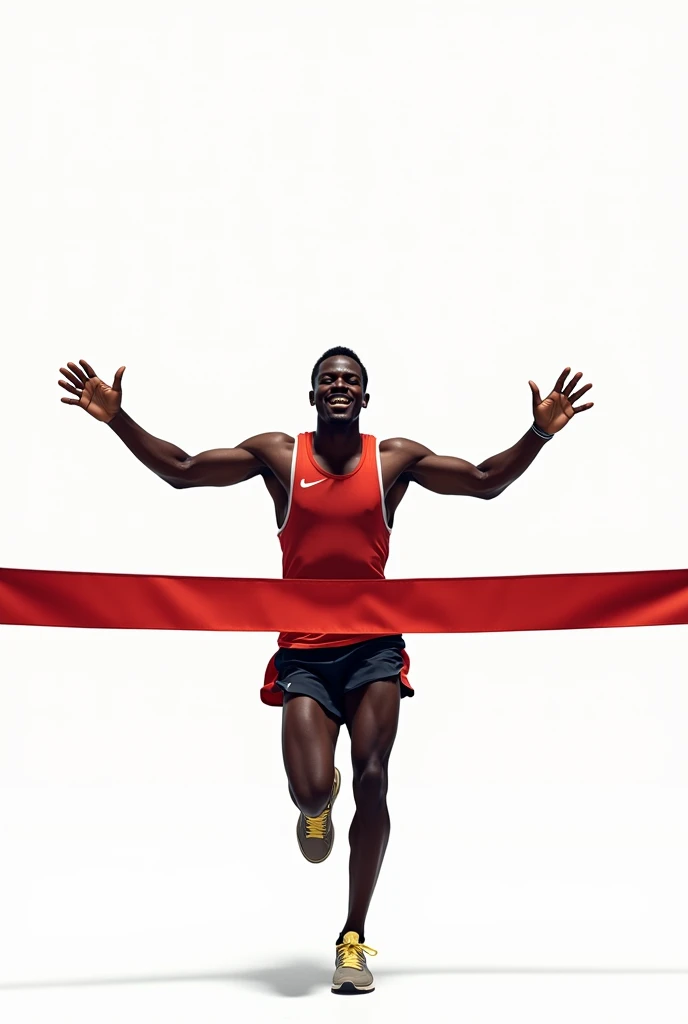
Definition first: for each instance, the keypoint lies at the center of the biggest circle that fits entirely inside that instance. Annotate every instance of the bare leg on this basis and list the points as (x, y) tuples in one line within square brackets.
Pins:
[(372, 715), (309, 737)]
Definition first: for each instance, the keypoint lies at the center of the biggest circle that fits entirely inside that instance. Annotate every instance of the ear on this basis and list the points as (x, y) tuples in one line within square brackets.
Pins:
[(364, 403), (311, 397)]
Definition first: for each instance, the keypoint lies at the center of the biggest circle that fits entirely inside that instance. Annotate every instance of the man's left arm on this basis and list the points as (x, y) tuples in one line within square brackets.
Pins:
[(445, 474)]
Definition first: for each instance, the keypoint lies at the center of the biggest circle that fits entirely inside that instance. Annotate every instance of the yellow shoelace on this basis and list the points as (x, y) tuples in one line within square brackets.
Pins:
[(316, 828), (350, 952)]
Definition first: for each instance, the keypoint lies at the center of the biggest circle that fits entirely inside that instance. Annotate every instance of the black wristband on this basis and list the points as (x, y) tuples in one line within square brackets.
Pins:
[(541, 433)]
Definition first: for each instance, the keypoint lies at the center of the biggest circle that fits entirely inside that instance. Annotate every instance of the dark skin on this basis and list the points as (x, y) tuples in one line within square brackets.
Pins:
[(309, 733)]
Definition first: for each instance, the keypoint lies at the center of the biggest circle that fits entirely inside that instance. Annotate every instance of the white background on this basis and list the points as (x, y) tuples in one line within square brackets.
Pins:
[(470, 195)]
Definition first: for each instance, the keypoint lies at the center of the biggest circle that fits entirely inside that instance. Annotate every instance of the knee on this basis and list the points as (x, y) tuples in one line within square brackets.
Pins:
[(370, 780), (311, 795)]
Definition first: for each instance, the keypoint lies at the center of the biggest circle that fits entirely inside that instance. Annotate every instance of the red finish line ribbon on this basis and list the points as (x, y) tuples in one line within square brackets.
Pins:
[(32, 597)]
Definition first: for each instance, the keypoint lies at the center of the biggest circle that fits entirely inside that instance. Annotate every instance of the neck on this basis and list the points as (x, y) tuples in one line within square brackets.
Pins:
[(337, 443)]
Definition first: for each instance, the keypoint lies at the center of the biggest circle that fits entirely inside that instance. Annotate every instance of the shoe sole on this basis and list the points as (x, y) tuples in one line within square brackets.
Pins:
[(336, 787), (347, 988)]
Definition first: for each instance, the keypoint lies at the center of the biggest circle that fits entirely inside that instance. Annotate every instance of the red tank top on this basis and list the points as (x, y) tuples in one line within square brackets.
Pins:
[(335, 528)]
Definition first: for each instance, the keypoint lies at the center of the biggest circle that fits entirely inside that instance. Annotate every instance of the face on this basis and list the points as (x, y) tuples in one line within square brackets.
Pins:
[(338, 395)]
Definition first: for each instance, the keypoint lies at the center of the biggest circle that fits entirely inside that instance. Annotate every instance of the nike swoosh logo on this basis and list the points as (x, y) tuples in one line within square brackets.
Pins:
[(313, 482)]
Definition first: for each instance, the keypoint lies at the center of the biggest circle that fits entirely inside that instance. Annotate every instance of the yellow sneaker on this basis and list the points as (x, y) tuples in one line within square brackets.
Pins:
[(316, 835), (352, 974)]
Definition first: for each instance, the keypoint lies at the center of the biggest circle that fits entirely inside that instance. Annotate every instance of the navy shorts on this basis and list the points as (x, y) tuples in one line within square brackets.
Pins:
[(328, 673)]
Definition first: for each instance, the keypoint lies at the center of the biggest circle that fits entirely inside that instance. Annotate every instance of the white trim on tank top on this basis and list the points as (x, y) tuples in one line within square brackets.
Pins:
[(382, 486), (291, 484)]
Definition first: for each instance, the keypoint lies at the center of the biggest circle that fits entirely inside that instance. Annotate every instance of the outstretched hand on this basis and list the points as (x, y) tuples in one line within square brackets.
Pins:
[(554, 412), (94, 396)]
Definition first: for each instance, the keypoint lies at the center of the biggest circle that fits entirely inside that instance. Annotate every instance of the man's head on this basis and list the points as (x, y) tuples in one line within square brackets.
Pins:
[(339, 381)]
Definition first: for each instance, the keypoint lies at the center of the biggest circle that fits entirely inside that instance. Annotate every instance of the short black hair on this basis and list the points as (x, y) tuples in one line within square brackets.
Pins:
[(340, 350)]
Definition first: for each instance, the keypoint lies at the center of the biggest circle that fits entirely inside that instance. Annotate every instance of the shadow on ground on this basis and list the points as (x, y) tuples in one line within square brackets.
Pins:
[(302, 977)]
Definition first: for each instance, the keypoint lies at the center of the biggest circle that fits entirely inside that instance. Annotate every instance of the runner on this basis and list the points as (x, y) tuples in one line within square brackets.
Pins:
[(335, 492)]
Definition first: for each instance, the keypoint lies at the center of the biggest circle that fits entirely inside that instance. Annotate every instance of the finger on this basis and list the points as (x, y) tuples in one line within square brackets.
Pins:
[(78, 371), (581, 391), (536, 392), (68, 387), (88, 368), (117, 382), (584, 408), (71, 377), (70, 401), (562, 377), (572, 383)]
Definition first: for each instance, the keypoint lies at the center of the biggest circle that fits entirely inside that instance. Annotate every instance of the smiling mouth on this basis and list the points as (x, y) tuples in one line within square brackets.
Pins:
[(339, 401)]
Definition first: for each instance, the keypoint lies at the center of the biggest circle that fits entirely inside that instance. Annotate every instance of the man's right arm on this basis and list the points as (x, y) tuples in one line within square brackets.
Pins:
[(264, 454), (219, 467)]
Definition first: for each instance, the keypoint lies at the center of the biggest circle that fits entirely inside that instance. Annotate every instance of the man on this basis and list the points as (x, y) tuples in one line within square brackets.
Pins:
[(335, 493)]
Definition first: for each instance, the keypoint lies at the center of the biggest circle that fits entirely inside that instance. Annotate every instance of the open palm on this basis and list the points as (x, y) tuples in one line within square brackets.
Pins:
[(554, 412), (96, 397)]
